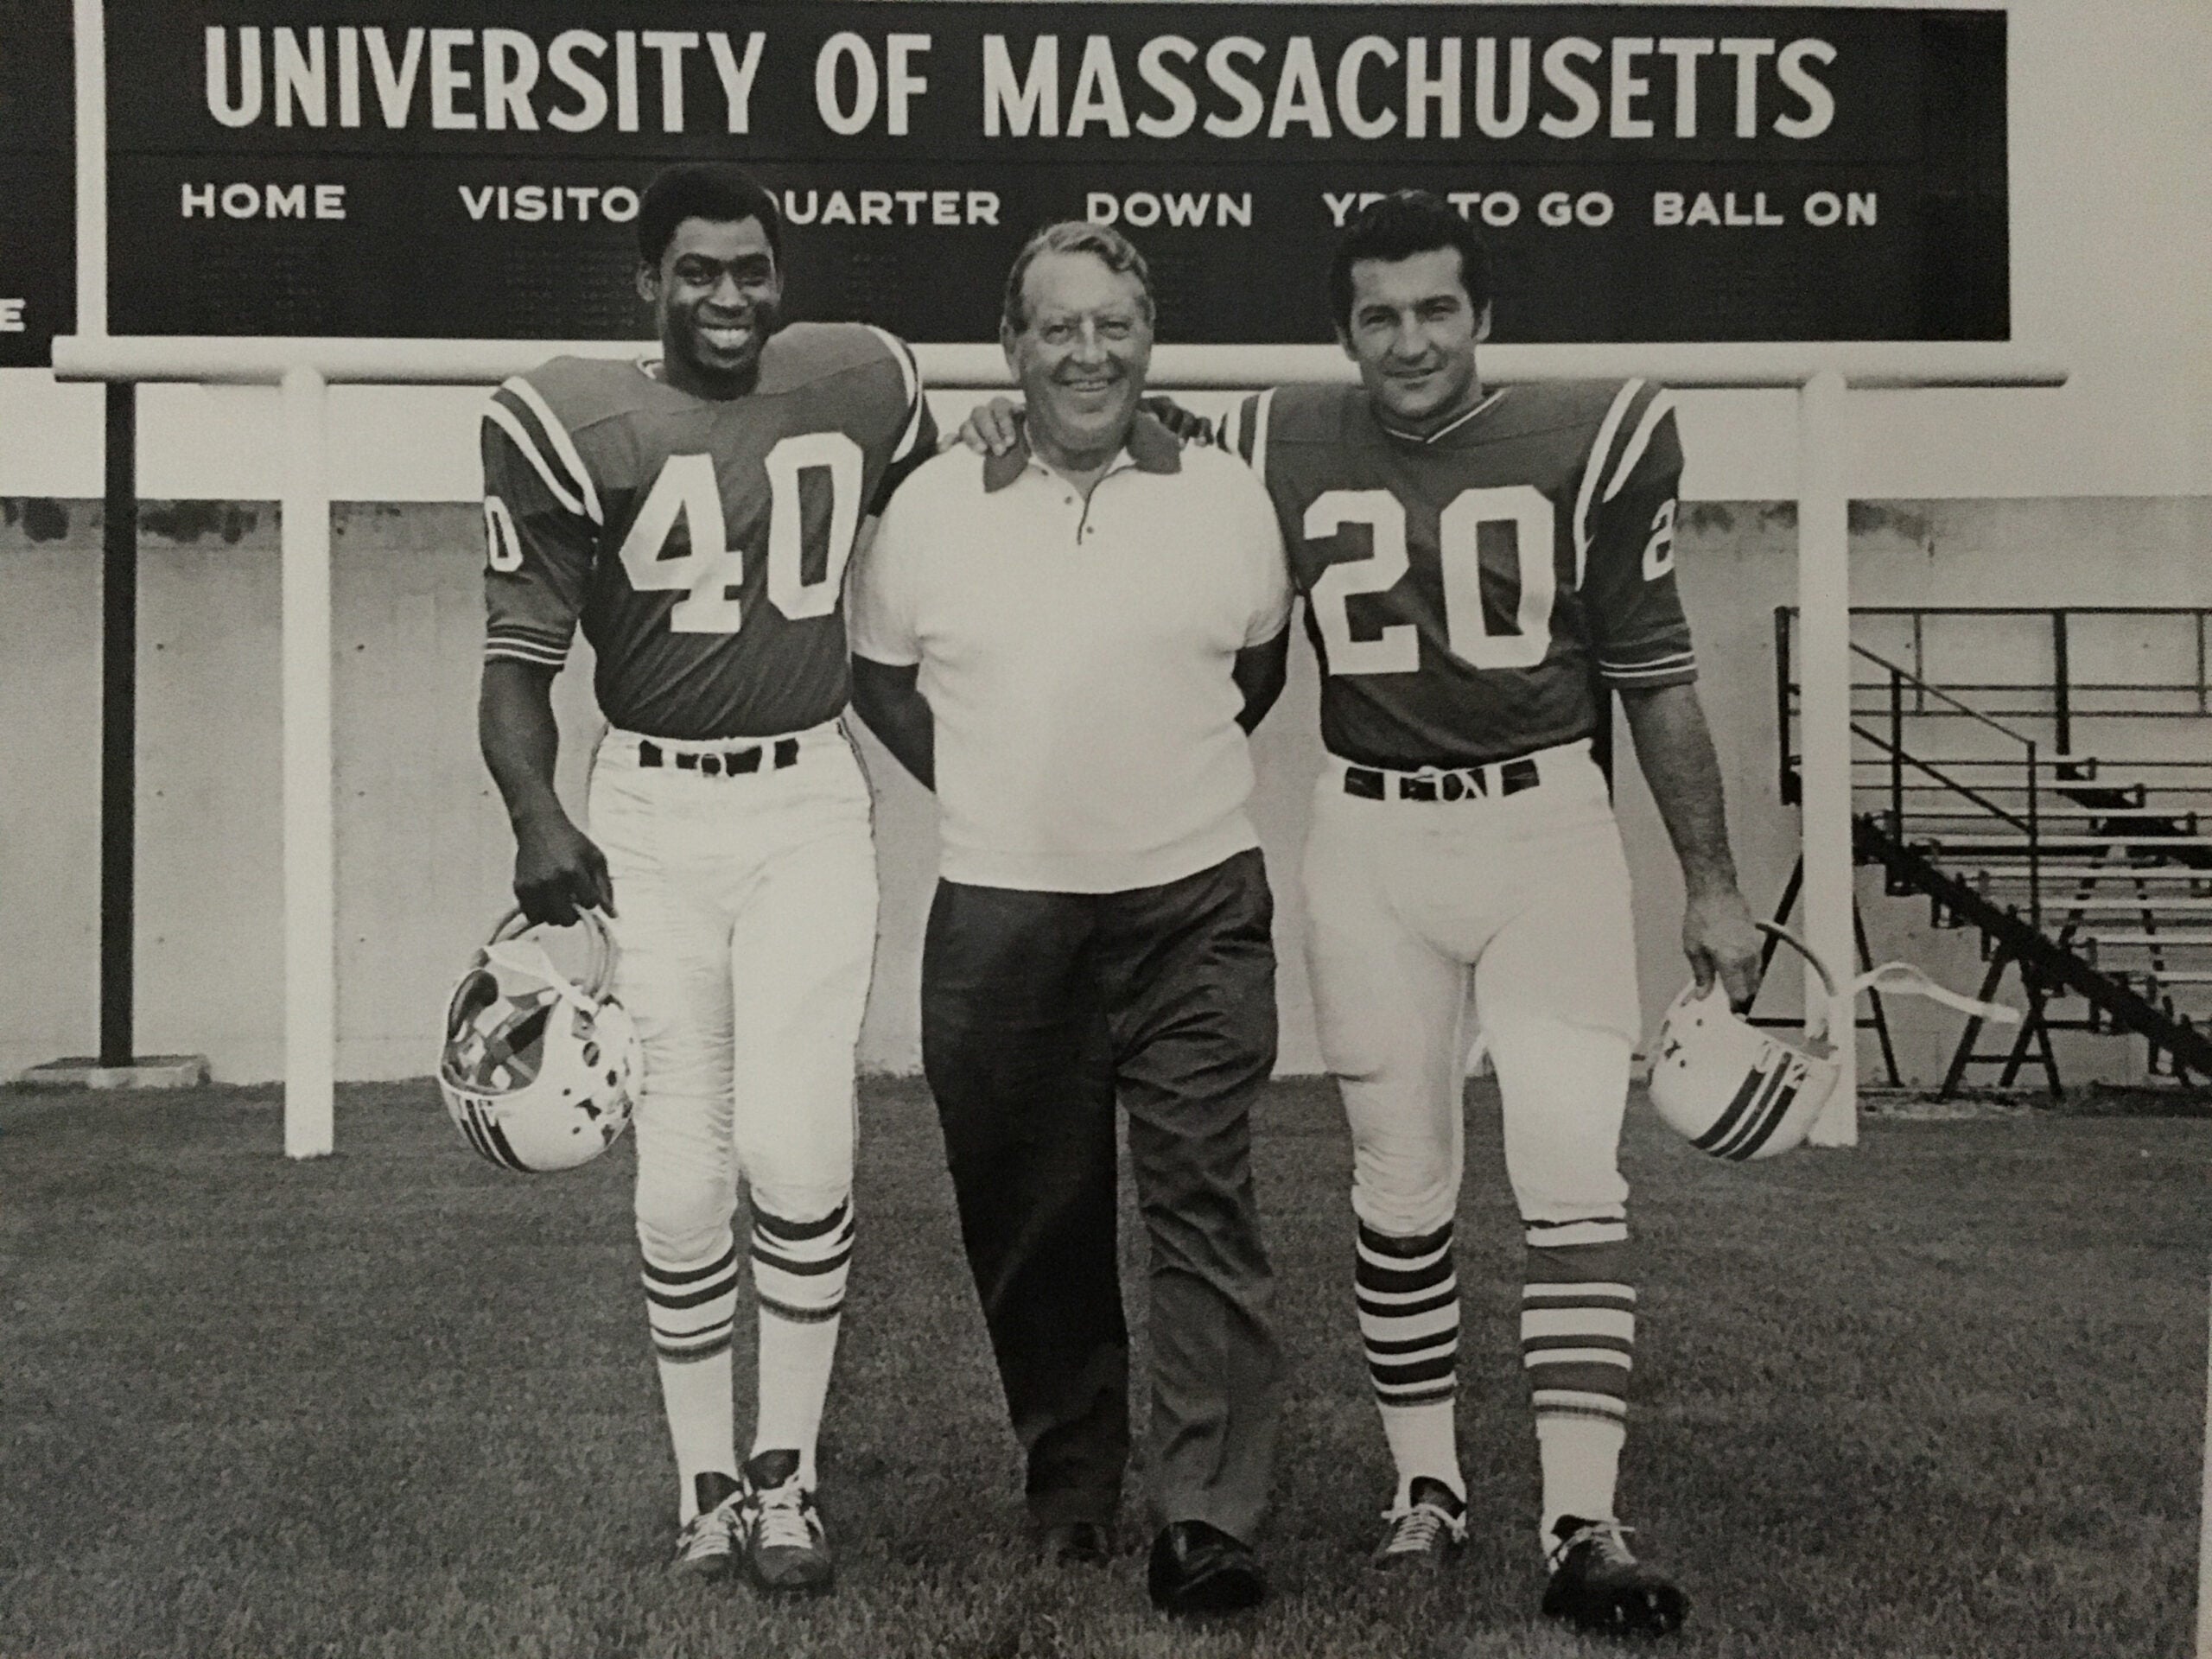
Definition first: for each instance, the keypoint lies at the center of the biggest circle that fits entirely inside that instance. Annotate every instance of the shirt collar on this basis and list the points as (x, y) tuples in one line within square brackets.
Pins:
[(1151, 447), (1482, 405)]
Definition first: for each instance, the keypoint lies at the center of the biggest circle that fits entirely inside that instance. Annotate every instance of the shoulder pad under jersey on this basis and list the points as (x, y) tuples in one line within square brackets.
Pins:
[(801, 352)]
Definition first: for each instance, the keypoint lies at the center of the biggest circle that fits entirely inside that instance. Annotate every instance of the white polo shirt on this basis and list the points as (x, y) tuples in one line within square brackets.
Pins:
[(1077, 657)]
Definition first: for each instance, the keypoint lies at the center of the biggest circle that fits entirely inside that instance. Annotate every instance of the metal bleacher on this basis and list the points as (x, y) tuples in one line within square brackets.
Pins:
[(2044, 777)]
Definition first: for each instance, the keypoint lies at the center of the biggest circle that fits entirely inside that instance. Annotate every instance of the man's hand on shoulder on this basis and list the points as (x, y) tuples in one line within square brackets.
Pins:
[(1722, 942), (991, 428), (559, 870), (1185, 424)]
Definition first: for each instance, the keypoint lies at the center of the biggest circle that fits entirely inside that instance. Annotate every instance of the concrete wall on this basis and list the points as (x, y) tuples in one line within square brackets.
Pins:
[(423, 849)]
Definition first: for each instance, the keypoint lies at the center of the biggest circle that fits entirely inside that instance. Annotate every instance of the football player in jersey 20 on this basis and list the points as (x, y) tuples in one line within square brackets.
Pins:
[(1481, 569), (694, 515)]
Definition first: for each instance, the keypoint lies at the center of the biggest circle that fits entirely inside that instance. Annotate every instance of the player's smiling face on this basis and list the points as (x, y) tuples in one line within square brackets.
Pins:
[(1080, 352), (716, 296), (1413, 331)]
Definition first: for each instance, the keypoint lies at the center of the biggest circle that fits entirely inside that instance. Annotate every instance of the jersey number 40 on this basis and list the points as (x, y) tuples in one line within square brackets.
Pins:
[(712, 571)]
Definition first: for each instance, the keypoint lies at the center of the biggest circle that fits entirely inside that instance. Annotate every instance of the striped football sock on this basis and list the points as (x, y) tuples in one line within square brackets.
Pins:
[(1578, 1338), (1409, 1299), (691, 1307), (799, 1280)]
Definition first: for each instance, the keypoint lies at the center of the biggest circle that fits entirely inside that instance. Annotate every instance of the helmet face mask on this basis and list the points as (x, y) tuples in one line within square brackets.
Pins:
[(539, 1068)]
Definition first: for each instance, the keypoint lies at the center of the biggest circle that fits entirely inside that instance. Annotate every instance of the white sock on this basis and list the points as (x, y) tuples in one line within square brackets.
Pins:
[(1407, 1296), (1578, 1339), (701, 1423), (1581, 1458), (1424, 1442), (691, 1308), (799, 1269), (795, 1364)]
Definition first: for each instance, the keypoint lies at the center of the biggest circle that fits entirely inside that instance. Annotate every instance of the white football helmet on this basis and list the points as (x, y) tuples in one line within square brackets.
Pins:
[(539, 1068), (1739, 1092)]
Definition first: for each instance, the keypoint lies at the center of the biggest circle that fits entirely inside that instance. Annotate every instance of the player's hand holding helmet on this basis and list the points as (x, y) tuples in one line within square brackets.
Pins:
[(1739, 1092), (539, 1066)]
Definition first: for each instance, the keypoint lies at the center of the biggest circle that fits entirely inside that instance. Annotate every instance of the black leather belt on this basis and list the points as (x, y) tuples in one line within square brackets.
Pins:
[(1459, 783), (731, 763)]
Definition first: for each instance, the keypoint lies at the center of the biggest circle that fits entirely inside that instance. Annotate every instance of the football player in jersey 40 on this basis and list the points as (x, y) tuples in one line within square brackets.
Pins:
[(1481, 567), (695, 514)]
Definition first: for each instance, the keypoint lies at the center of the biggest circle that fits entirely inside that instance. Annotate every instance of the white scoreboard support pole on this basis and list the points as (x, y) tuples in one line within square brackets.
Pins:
[(2205, 1521), (310, 860), (1824, 728)]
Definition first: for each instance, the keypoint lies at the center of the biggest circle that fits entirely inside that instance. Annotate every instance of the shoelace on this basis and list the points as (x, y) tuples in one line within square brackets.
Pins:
[(1415, 1527), (1610, 1537), (784, 1519), (707, 1532)]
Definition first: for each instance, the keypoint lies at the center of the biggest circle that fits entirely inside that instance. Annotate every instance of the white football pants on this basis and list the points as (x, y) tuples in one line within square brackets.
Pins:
[(746, 916), (1521, 900)]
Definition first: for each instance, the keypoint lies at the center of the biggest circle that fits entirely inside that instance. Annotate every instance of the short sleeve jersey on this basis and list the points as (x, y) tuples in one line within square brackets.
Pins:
[(1473, 592), (700, 543)]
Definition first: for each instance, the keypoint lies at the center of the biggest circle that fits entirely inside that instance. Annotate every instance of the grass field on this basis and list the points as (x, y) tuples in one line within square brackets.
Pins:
[(1941, 1396)]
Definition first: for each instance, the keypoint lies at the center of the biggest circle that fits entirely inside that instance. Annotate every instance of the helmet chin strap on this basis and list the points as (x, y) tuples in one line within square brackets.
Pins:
[(1898, 978), (1903, 979)]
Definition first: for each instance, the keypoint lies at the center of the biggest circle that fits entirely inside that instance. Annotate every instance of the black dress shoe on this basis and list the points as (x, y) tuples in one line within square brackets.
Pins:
[(1198, 1568), (1076, 1543)]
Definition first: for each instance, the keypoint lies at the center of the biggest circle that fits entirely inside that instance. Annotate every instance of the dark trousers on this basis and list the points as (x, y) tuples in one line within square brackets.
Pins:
[(1036, 1009)]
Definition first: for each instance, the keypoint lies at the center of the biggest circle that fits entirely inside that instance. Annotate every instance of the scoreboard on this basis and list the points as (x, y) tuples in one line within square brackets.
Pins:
[(450, 168), (38, 222)]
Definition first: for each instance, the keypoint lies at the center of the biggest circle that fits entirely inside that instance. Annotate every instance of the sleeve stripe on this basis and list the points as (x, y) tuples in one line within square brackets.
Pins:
[(912, 373), (1672, 659), (1596, 465), (541, 632), (563, 445), (1255, 436), (509, 650), (1660, 408), (1657, 671), (510, 423)]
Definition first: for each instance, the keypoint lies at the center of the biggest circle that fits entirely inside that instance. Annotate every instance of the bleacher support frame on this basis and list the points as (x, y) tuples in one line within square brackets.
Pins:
[(2040, 815)]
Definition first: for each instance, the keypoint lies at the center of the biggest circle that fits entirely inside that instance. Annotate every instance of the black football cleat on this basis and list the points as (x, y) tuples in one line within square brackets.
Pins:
[(1425, 1531), (1597, 1585), (779, 1535), (707, 1546)]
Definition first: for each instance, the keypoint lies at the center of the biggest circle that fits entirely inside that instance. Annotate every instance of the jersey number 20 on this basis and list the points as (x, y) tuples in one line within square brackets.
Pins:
[(1525, 515), (713, 570)]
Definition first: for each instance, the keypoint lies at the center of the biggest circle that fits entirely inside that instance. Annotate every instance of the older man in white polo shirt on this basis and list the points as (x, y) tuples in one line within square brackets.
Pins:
[(1069, 643)]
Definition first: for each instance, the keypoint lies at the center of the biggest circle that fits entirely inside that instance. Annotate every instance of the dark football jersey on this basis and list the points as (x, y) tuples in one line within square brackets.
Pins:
[(1473, 592), (702, 544)]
